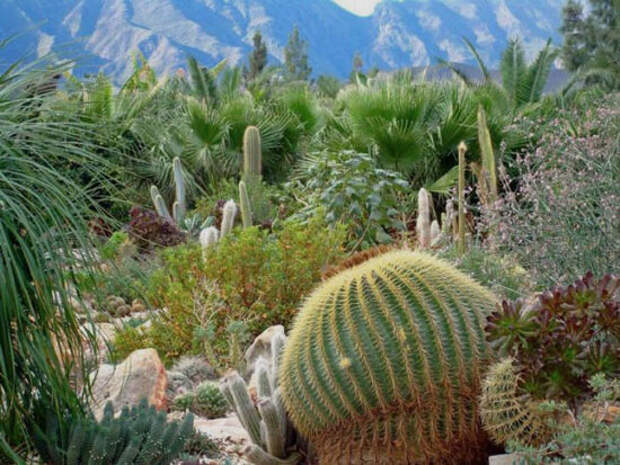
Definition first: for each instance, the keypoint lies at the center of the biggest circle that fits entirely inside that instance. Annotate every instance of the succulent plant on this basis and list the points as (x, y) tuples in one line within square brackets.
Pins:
[(209, 401), (209, 236), (423, 222), (228, 217), (179, 207), (487, 155), (568, 335), (252, 153), (462, 148), (265, 420), (384, 363), (507, 413)]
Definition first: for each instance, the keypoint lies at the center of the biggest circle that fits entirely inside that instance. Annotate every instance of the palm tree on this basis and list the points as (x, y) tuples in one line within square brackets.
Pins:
[(42, 218)]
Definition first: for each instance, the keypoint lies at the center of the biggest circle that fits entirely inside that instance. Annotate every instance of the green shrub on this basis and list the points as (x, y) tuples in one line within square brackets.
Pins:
[(116, 245), (352, 189), (251, 276)]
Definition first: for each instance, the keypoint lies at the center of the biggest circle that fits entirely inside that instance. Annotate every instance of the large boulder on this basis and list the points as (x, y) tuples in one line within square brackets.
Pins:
[(141, 375), (261, 347)]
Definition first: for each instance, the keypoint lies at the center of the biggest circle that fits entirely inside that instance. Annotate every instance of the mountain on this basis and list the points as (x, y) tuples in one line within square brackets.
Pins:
[(102, 34)]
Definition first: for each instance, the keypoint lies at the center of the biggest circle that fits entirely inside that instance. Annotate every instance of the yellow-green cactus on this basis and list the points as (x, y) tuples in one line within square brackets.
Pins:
[(384, 363), (507, 414)]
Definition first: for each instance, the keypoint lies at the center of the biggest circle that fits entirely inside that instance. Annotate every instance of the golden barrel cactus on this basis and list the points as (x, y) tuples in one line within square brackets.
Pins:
[(384, 361)]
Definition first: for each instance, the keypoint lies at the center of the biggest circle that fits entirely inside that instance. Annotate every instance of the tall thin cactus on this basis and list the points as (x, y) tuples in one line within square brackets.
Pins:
[(160, 204), (179, 207), (252, 153), (423, 222), (384, 361)]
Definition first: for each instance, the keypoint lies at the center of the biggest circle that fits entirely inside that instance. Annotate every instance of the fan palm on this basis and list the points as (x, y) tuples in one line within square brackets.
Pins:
[(42, 218)]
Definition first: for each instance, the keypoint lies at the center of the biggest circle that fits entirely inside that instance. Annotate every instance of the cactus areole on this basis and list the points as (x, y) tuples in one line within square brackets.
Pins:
[(384, 361)]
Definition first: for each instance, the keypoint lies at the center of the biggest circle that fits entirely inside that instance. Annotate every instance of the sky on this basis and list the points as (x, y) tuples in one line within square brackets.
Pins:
[(359, 7)]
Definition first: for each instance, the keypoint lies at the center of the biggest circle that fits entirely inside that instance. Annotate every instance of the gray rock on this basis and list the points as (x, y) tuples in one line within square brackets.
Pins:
[(504, 459), (261, 347)]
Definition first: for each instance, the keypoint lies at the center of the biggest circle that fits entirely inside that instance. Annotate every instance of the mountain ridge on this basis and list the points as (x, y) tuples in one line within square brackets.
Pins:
[(398, 34)]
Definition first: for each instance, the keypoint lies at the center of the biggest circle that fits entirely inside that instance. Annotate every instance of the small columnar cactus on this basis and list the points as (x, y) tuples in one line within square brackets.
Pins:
[(208, 237), (423, 223), (266, 421), (252, 153), (384, 361), (244, 204), (229, 213), (508, 415), (462, 148), (179, 206)]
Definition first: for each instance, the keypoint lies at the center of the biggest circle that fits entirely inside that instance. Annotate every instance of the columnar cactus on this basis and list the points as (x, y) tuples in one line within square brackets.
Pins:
[(244, 204), (384, 361), (178, 207), (506, 414), (423, 222), (487, 156), (252, 153), (435, 232), (228, 217), (265, 420), (208, 237)]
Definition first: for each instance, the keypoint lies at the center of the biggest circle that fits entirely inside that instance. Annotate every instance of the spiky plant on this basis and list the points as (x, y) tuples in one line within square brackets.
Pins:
[(209, 236), (228, 217), (179, 207), (273, 438), (423, 223), (489, 174), (461, 194), (508, 413), (244, 204), (384, 362), (252, 153)]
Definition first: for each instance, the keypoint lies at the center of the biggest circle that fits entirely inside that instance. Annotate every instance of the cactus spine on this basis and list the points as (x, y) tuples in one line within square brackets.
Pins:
[(423, 222), (383, 363), (435, 232), (266, 422), (506, 414), (252, 153), (461, 194), (228, 217), (244, 204)]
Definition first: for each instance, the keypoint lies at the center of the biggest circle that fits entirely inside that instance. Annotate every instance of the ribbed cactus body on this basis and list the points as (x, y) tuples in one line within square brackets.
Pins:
[(508, 415), (252, 153), (384, 360)]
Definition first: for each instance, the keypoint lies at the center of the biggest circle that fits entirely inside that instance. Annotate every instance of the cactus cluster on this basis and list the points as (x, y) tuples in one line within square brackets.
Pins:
[(179, 207), (139, 435), (428, 233), (384, 362), (206, 400), (265, 420), (507, 413)]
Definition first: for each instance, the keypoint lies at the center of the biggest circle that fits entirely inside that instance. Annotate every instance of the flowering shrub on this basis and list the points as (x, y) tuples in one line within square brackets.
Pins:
[(559, 215), (567, 336)]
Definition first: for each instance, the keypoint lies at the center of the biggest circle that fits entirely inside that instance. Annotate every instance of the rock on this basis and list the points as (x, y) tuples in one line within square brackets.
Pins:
[(137, 306), (141, 375), (261, 347), (227, 429), (504, 459), (178, 383)]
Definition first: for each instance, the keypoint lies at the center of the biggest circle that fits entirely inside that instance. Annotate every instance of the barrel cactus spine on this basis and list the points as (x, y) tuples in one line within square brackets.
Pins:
[(384, 362), (508, 415)]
